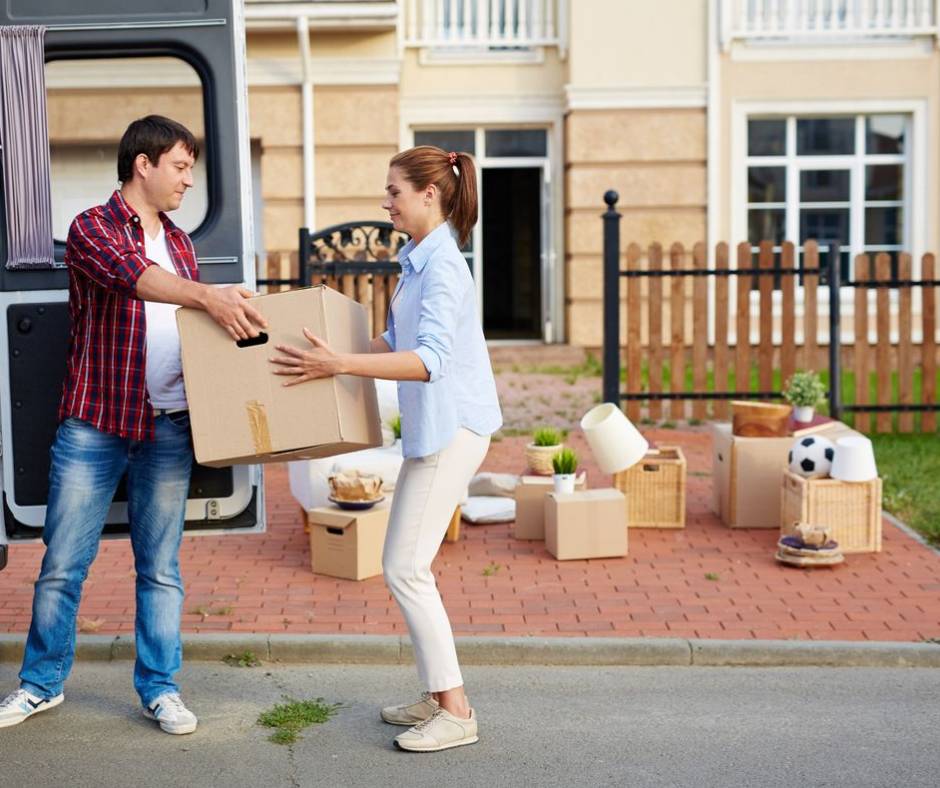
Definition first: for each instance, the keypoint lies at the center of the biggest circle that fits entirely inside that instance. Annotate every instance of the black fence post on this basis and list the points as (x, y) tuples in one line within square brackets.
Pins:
[(304, 253), (835, 330), (611, 354)]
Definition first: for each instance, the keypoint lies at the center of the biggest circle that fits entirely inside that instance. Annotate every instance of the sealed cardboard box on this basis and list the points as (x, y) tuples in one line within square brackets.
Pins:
[(530, 504), (746, 473), (586, 524), (347, 544), (240, 411)]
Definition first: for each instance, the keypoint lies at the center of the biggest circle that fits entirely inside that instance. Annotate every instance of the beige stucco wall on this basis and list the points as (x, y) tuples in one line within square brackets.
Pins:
[(356, 133), (617, 43), (655, 160), (83, 116), (275, 124)]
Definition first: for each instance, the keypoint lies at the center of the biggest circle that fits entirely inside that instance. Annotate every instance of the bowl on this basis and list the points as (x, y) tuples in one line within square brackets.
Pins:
[(357, 506), (759, 419)]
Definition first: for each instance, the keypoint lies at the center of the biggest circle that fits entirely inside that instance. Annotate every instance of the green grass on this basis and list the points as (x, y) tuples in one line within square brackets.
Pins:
[(910, 467), (293, 716)]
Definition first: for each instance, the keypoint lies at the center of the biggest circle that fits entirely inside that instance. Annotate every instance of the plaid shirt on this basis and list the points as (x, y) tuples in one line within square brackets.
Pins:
[(106, 377)]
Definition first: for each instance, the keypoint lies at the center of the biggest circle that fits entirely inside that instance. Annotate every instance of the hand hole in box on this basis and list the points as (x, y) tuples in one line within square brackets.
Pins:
[(335, 531), (261, 339), (652, 468)]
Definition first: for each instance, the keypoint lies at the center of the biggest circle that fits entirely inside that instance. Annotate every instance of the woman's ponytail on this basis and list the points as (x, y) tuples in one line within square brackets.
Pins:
[(463, 209)]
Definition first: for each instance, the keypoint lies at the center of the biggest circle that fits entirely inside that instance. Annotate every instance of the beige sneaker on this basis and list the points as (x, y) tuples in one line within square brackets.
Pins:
[(409, 714), (441, 731)]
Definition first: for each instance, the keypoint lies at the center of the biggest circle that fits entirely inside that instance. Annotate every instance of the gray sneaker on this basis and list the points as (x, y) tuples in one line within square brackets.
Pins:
[(20, 705), (173, 716), (409, 714), (441, 731)]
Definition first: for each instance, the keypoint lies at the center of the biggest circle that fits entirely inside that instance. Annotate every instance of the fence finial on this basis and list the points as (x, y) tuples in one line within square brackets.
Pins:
[(611, 197)]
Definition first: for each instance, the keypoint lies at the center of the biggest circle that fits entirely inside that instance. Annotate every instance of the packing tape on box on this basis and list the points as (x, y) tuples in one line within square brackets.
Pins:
[(258, 423)]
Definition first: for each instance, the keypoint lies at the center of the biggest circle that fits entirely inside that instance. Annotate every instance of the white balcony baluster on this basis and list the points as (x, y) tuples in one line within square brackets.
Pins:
[(830, 20)]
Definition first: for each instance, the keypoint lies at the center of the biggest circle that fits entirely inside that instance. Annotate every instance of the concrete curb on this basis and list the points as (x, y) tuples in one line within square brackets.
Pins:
[(394, 650)]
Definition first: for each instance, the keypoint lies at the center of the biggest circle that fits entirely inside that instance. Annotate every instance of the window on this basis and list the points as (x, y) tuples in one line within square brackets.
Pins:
[(839, 178), (89, 108), (462, 141)]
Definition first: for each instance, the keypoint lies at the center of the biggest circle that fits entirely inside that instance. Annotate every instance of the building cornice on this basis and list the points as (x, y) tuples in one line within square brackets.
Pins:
[(681, 96)]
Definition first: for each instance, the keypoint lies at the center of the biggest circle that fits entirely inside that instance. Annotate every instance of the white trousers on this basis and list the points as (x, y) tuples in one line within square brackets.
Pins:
[(426, 493)]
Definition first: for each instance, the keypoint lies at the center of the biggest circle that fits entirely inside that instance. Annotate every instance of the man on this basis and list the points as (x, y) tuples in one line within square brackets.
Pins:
[(123, 409)]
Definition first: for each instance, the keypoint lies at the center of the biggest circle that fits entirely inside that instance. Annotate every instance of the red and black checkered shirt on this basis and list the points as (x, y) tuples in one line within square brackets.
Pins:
[(106, 377)]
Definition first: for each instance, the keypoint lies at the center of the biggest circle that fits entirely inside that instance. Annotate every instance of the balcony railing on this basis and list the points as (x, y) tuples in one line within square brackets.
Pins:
[(827, 20), (485, 24)]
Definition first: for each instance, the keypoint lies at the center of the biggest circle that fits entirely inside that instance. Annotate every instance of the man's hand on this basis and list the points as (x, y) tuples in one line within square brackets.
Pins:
[(229, 307), (304, 365)]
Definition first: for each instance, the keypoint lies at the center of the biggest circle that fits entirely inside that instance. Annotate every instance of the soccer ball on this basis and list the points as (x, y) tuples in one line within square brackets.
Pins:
[(811, 456)]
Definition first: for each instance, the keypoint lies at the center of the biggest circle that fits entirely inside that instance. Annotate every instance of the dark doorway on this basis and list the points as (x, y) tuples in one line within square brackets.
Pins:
[(512, 253)]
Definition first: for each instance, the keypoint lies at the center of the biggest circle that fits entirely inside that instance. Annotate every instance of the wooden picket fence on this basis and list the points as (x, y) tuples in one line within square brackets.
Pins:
[(889, 336), (373, 290)]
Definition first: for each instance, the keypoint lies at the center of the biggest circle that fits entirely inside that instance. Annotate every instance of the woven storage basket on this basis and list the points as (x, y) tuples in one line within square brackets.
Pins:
[(655, 490), (851, 510)]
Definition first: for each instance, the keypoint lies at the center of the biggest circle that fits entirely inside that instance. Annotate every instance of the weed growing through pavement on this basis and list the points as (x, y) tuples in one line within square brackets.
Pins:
[(491, 569), (711, 576), (290, 718), (246, 659)]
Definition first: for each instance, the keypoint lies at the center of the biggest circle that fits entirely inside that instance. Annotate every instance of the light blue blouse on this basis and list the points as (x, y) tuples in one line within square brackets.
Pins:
[(433, 312)]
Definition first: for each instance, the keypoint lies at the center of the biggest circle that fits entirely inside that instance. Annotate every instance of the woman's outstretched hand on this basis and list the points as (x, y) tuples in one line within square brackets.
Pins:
[(304, 365)]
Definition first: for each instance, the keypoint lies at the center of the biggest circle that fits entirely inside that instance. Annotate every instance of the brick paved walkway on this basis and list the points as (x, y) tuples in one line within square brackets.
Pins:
[(262, 582)]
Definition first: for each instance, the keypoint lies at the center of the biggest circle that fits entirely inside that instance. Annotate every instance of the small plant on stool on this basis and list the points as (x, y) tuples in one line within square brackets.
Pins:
[(565, 464)]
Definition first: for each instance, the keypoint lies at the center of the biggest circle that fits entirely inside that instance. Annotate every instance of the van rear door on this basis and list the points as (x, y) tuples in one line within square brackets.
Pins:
[(107, 63)]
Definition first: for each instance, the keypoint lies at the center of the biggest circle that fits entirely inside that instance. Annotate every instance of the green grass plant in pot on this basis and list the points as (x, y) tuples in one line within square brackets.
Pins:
[(565, 467), (804, 391), (546, 443)]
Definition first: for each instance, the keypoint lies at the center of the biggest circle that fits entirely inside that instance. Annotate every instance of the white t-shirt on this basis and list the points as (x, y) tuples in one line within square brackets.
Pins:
[(164, 367)]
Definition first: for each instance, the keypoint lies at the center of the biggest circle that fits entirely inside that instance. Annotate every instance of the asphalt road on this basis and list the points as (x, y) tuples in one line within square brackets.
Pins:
[(540, 726)]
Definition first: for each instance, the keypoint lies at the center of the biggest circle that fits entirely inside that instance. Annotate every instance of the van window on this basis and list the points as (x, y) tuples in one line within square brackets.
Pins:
[(90, 102)]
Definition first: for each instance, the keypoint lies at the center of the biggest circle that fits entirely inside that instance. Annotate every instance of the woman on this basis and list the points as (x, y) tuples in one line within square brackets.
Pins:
[(434, 347)]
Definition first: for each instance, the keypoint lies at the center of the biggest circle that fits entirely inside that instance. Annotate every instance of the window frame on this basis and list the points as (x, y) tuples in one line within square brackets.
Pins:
[(916, 160), (855, 164)]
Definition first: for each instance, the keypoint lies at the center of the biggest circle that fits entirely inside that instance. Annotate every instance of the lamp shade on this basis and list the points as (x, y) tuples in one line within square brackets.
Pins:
[(615, 443)]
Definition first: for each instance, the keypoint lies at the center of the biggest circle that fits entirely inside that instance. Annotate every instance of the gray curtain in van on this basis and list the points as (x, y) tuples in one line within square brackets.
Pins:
[(24, 135)]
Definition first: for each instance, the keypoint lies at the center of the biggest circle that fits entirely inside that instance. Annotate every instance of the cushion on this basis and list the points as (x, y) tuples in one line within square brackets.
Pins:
[(488, 509), (498, 484)]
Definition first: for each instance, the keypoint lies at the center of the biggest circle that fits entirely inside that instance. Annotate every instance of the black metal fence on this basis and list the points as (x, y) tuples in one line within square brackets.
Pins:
[(828, 273)]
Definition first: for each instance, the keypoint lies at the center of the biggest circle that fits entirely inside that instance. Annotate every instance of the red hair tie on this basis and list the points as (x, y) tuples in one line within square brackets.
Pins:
[(451, 158)]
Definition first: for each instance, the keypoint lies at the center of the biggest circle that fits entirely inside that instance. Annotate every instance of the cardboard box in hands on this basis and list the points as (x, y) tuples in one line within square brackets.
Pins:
[(240, 410)]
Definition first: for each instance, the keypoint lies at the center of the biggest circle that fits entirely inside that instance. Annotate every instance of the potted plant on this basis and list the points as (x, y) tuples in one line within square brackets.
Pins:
[(565, 465), (395, 425), (546, 443), (804, 391)]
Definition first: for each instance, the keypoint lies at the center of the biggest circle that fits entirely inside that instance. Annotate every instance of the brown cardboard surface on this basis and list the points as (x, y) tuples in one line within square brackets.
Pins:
[(747, 474), (586, 524), (241, 412), (347, 544), (530, 504)]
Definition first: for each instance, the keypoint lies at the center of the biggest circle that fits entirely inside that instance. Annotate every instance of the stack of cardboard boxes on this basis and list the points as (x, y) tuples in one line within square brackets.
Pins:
[(582, 524)]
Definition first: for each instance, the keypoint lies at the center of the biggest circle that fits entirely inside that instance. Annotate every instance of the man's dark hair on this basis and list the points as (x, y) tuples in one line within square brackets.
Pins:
[(153, 136)]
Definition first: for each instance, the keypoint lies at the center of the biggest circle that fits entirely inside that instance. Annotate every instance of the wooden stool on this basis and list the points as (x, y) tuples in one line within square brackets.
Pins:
[(453, 530)]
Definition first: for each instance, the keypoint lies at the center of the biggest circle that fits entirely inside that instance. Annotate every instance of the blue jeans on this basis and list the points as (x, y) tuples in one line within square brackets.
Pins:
[(86, 467)]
